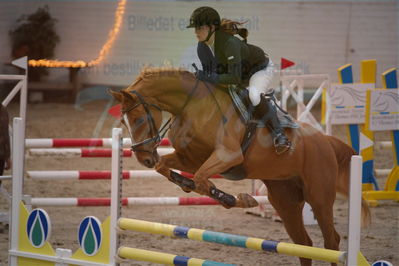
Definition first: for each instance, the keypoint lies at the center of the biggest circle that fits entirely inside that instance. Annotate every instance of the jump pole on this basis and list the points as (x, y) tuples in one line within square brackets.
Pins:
[(96, 175), (86, 153), (80, 142), (131, 201)]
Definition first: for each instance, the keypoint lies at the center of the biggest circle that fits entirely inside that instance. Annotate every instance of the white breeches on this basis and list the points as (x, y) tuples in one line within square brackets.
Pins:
[(260, 82)]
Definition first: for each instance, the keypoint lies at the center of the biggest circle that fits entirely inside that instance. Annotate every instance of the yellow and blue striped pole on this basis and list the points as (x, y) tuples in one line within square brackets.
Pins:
[(233, 240), (164, 258), (389, 80)]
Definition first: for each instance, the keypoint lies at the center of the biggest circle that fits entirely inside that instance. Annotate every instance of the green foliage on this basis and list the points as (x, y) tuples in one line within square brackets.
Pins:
[(35, 36)]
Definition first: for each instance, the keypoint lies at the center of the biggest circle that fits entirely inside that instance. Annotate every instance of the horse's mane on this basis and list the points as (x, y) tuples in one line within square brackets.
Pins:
[(156, 72), (165, 70)]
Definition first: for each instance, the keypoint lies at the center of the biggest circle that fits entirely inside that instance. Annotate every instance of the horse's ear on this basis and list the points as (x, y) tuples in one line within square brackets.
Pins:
[(116, 94), (127, 95)]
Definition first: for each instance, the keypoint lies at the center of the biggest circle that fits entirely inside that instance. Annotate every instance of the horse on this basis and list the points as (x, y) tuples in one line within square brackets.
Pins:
[(206, 133)]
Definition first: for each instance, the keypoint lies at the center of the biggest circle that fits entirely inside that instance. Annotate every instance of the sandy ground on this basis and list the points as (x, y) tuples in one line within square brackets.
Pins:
[(379, 241)]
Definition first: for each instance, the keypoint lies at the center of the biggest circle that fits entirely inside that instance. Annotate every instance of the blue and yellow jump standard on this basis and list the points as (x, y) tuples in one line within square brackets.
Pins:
[(390, 81), (367, 75), (391, 189)]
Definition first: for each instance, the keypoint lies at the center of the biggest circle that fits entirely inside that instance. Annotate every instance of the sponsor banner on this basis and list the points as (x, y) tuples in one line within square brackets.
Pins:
[(348, 103), (383, 109)]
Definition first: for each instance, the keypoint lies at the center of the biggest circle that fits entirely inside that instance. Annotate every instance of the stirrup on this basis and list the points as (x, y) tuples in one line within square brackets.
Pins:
[(281, 148)]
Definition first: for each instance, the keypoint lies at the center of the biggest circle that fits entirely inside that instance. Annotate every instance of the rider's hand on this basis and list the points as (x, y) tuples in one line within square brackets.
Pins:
[(201, 75)]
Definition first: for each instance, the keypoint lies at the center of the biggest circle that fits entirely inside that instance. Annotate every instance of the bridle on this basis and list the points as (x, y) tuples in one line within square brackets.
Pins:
[(155, 135)]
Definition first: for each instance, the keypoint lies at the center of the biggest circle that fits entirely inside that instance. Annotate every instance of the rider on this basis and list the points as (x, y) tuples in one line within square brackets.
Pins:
[(228, 60)]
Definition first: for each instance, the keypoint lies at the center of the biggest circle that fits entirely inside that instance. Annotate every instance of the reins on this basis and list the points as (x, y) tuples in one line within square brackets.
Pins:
[(224, 119)]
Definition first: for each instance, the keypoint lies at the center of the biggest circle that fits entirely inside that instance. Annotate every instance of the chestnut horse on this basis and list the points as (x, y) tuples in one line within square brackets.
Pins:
[(206, 134)]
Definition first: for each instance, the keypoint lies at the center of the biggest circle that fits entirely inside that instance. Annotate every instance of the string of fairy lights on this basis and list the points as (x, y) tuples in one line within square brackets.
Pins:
[(103, 52)]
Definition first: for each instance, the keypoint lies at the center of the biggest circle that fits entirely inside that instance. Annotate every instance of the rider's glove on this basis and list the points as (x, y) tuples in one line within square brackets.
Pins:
[(200, 75), (211, 77)]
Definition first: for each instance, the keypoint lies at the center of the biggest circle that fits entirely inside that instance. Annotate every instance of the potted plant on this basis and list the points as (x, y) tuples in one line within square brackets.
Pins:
[(35, 36)]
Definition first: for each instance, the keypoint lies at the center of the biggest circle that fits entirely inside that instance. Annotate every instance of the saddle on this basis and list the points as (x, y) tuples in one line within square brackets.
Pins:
[(244, 108)]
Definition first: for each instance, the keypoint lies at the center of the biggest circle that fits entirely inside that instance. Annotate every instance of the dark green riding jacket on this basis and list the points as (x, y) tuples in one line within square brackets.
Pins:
[(234, 61)]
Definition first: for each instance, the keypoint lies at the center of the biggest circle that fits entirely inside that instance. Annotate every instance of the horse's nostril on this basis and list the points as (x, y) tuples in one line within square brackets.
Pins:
[(147, 162)]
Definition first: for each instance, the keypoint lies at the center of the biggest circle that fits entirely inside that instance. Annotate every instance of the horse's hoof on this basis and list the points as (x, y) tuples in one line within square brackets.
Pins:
[(187, 190), (226, 206), (246, 200)]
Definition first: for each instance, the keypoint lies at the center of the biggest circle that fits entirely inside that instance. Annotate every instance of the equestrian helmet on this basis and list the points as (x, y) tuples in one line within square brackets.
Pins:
[(204, 15)]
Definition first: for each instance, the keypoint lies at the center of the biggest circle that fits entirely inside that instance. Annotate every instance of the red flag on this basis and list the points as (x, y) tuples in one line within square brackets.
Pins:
[(115, 111), (286, 63)]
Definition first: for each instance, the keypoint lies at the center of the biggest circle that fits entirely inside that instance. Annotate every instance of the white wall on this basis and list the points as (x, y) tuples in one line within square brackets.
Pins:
[(319, 36)]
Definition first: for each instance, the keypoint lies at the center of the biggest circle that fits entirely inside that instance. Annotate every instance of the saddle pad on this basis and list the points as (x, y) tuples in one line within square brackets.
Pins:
[(238, 99)]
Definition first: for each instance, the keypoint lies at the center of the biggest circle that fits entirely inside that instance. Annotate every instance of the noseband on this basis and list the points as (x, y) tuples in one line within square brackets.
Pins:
[(156, 135)]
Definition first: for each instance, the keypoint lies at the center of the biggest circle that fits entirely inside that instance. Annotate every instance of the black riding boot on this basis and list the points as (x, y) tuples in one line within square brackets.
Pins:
[(266, 112)]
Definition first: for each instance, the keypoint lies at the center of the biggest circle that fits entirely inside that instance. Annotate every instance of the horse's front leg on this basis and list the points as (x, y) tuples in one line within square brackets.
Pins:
[(221, 160), (172, 161)]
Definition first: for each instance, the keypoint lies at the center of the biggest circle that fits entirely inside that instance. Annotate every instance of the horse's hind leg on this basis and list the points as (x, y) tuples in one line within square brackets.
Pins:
[(286, 196), (320, 194)]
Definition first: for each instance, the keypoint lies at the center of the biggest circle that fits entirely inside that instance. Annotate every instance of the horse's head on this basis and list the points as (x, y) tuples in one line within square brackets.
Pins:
[(142, 120)]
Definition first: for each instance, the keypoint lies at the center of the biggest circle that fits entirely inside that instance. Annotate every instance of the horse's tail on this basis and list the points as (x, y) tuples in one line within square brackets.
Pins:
[(343, 153)]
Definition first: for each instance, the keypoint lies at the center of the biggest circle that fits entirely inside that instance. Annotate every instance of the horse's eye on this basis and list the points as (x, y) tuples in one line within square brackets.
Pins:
[(138, 122)]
